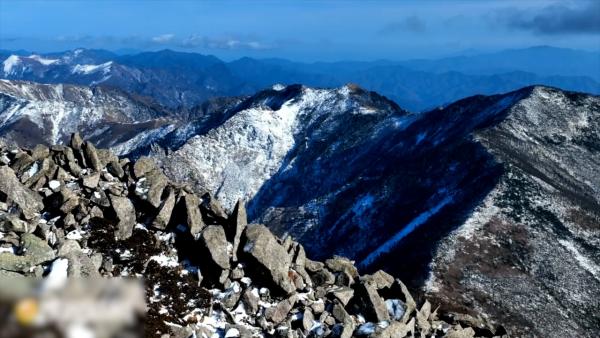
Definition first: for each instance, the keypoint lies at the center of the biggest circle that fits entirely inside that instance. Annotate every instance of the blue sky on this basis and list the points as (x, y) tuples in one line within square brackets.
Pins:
[(301, 30)]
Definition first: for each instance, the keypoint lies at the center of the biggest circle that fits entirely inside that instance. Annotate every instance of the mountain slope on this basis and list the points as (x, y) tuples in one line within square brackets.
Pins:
[(515, 172), (32, 113)]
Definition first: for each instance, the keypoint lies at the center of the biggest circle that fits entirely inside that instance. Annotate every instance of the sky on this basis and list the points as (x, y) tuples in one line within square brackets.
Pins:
[(301, 30)]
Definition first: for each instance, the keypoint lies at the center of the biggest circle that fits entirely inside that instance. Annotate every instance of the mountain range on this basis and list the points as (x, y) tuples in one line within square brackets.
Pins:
[(184, 80), (492, 201)]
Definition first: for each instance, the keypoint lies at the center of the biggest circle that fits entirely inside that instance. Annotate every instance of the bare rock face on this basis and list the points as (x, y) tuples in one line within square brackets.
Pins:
[(125, 212), (214, 245), (204, 269), (28, 202), (269, 259)]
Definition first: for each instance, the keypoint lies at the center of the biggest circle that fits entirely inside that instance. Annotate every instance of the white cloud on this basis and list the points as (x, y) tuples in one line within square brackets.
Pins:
[(163, 38)]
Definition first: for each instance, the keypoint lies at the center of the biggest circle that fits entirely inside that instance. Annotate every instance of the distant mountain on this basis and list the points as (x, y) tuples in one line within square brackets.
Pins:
[(492, 202), (541, 60), (180, 81)]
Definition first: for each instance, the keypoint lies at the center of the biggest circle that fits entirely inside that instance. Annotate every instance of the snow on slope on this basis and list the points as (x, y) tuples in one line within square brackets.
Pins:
[(89, 69), (59, 110), (235, 159)]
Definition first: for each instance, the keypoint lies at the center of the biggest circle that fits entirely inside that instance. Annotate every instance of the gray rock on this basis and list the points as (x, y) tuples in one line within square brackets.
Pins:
[(115, 169), (29, 202), (214, 239), (156, 182), (250, 299), (91, 156), (39, 152), (343, 294), (91, 181), (10, 222), (67, 247), (142, 166), (193, 216), (307, 319), (279, 313), (36, 251), (236, 224), (125, 214), (166, 209), (371, 304), (379, 280), (267, 260), (342, 264), (322, 277), (213, 208), (423, 318), (459, 332), (80, 265), (99, 197)]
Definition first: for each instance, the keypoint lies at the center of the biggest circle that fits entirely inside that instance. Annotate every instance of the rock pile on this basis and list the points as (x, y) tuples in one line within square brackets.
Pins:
[(207, 273)]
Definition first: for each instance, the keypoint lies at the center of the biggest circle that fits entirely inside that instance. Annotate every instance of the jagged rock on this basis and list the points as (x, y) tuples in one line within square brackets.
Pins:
[(423, 318), (80, 265), (12, 223), (313, 266), (250, 299), (343, 294), (342, 264), (91, 181), (91, 156), (39, 152), (235, 226), (214, 253), (155, 182), (307, 319), (100, 198), (213, 209), (67, 247), (28, 201), (460, 333), (370, 303), (125, 212), (322, 277), (166, 209), (193, 216), (142, 166), (279, 313), (267, 260), (36, 251), (22, 161), (379, 280), (115, 169)]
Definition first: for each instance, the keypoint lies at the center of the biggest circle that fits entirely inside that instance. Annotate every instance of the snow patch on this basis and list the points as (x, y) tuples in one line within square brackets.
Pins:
[(407, 229), (89, 69)]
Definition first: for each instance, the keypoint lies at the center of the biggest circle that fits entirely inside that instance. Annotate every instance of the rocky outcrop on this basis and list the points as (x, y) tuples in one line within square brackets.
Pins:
[(207, 272)]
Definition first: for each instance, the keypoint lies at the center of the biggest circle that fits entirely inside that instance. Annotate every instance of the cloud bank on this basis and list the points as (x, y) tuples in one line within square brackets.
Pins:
[(554, 19)]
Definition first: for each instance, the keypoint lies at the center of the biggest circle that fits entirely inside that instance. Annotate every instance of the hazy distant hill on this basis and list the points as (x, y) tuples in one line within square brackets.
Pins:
[(176, 79)]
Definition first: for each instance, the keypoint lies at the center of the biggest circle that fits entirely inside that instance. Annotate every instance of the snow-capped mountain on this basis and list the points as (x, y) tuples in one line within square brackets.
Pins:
[(176, 79), (32, 113), (489, 193), (170, 78), (506, 183)]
